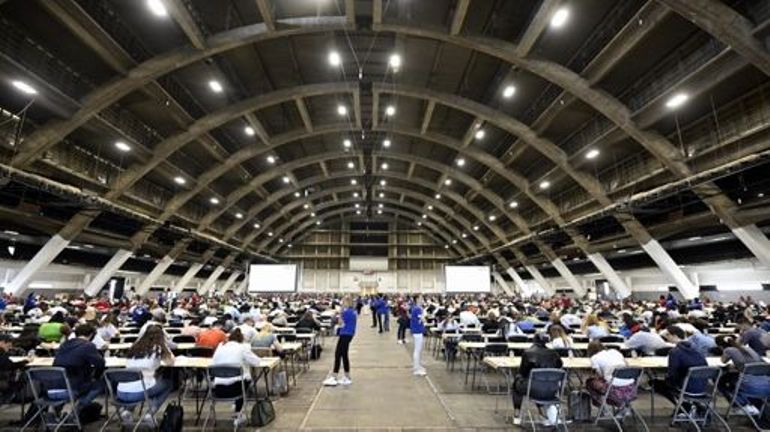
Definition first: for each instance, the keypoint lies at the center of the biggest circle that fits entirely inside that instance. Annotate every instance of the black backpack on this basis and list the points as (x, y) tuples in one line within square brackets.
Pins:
[(262, 413), (173, 419)]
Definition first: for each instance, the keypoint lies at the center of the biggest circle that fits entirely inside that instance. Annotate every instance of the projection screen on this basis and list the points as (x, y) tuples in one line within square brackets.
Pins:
[(467, 279), (273, 278)]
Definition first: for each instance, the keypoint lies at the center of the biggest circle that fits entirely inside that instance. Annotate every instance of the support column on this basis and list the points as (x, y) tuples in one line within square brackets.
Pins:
[(244, 285), (670, 269), (540, 279), (606, 269), (517, 280), (756, 241), (156, 272), (187, 277), (503, 284), (571, 280), (211, 279), (42, 258), (230, 280), (109, 269)]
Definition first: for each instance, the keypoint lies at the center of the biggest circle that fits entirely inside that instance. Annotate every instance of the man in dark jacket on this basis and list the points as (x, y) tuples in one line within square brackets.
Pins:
[(535, 357), (83, 363), (681, 358)]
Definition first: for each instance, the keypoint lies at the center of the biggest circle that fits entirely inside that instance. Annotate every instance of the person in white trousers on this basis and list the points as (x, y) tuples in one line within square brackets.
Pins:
[(417, 327)]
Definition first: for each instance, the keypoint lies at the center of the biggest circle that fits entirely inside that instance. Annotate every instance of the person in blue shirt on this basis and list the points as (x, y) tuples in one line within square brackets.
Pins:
[(383, 313), (417, 327), (347, 320)]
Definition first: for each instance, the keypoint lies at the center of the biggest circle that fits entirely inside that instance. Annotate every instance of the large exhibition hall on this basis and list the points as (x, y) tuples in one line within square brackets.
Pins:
[(384, 215)]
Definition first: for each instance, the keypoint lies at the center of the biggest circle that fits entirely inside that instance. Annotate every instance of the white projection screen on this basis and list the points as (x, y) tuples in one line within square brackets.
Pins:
[(468, 279), (272, 278)]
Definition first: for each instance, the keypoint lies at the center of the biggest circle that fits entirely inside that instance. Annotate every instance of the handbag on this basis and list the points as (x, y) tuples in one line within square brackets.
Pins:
[(262, 413), (173, 419)]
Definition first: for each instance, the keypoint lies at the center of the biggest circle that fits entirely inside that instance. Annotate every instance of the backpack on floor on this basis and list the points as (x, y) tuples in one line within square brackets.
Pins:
[(173, 419), (315, 352), (579, 406), (90, 413), (262, 413)]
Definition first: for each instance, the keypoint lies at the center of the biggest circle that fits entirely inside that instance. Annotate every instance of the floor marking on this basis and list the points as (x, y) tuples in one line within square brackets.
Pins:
[(312, 406)]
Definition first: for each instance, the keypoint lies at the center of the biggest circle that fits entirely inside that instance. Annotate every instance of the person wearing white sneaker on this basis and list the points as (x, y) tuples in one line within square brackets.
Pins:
[(347, 330), (417, 327)]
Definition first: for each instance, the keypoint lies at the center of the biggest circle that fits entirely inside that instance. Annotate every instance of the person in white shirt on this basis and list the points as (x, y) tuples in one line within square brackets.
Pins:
[(468, 318), (147, 354), (647, 342), (604, 362), (235, 352), (107, 330), (559, 337), (248, 330)]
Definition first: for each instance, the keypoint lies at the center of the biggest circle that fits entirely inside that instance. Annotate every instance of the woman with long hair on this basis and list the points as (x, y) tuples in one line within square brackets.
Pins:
[(266, 338), (559, 337), (147, 354), (347, 330), (594, 327)]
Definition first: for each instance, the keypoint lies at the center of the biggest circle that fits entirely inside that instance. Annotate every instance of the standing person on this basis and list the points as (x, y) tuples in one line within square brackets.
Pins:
[(373, 309), (402, 312), (348, 320), (417, 327)]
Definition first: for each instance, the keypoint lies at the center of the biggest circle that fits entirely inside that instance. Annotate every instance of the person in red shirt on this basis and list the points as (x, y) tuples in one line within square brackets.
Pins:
[(212, 337)]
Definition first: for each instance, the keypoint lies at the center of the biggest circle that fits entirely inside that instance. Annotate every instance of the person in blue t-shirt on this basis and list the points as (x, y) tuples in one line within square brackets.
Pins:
[(417, 327), (347, 320), (383, 313)]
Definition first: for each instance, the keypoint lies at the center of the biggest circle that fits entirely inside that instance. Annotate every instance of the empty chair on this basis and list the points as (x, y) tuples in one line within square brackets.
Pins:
[(699, 407), (545, 388), (617, 401), (52, 391)]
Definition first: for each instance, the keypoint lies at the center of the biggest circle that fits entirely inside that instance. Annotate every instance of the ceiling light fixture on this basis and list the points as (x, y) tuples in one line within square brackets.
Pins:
[(386, 143), (424, 216), (355, 194), (475, 228), (351, 165), (358, 212), (390, 111), (480, 134), (380, 205), (24, 87), (157, 8), (249, 131), (382, 195), (239, 215), (448, 182), (384, 166), (271, 159), (270, 234), (394, 61), (215, 86), (383, 183), (592, 154), (286, 179), (214, 200), (347, 143), (306, 206), (677, 100), (296, 194), (122, 146), (509, 91), (560, 18), (438, 196), (353, 182), (513, 204), (545, 184), (179, 180), (460, 162), (342, 110), (492, 218), (334, 58)]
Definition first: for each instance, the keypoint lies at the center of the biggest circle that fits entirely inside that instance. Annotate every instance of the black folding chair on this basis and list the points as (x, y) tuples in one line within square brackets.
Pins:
[(45, 382), (550, 384), (703, 404), (759, 369), (223, 371), (112, 378), (616, 410)]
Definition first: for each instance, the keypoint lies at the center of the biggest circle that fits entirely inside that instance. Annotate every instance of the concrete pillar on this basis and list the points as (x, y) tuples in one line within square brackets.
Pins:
[(571, 280), (156, 272), (210, 281), (243, 287), (230, 280), (540, 279), (42, 258), (109, 269), (609, 273), (517, 280), (756, 241), (670, 269), (503, 284), (187, 277)]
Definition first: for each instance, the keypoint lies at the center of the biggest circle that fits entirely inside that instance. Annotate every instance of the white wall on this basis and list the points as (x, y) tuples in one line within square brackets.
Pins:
[(335, 280)]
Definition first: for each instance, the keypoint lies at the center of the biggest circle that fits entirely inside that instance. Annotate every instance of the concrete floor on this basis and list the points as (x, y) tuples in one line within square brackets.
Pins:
[(385, 396)]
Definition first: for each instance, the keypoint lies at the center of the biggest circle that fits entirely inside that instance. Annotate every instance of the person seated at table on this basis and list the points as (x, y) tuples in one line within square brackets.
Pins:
[(535, 357), (210, 319), (681, 358), (629, 327), (6, 364), (234, 352), (700, 340), (212, 337), (752, 336), (595, 328), (308, 321), (559, 337), (28, 339), (450, 323), (753, 386), (83, 364), (570, 320), (468, 317), (248, 330), (491, 325), (267, 339), (146, 355), (646, 342), (280, 319), (157, 320), (55, 330), (604, 361), (192, 329)]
